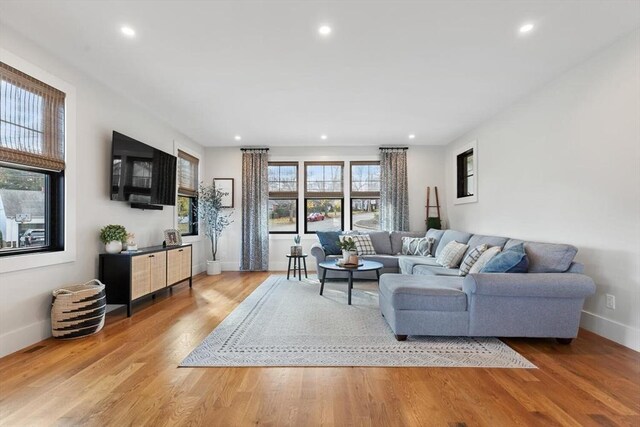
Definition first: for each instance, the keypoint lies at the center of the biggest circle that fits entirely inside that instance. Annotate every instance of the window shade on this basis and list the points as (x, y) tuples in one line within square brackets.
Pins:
[(323, 179), (31, 121), (283, 180), (365, 179), (187, 174)]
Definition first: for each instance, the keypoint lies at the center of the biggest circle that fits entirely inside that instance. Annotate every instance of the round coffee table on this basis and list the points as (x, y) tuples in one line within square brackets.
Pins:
[(365, 266)]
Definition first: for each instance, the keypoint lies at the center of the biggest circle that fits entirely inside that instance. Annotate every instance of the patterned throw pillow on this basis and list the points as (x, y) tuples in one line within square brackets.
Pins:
[(363, 244), (471, 258), (422, 246), (452, 254), (484, 259)]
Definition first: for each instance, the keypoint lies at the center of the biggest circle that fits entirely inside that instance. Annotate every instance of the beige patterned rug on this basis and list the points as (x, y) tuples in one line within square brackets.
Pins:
[(287, 323)]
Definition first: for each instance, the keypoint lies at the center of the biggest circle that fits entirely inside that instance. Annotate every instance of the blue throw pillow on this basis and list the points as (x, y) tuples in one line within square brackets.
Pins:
[(330, 241), (512, 260)]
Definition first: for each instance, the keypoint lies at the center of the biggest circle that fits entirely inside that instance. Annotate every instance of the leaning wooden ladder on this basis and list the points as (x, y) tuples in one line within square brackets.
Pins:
[(432, 222)]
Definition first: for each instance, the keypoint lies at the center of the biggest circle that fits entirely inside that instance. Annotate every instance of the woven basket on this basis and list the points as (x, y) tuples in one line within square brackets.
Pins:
[(78, 311)]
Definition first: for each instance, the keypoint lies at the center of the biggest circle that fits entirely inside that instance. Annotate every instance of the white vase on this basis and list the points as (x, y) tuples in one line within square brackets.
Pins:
[(346, 255), (113, 247), (214, 268)]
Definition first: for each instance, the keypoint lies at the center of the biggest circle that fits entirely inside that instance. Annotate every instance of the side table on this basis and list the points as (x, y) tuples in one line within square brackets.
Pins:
[(299, 261)]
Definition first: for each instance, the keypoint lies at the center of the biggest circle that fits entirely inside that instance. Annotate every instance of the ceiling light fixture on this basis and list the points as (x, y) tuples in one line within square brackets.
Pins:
[(323, 136), (412, 136), (324, 30), (526, 28), (237, 137), (128, 31)]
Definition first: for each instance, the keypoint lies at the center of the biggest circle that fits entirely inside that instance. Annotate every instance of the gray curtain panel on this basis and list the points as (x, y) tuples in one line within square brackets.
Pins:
[(394, 189), (255, 209)]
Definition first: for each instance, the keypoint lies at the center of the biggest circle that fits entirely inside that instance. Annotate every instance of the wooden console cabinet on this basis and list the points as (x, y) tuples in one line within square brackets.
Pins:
[(129, 276)]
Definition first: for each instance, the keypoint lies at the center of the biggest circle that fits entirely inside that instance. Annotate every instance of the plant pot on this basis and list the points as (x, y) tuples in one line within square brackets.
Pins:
[(113, 247), (214, 268), (347, 254)]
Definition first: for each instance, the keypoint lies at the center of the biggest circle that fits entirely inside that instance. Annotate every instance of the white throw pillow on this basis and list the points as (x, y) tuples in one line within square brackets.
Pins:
[(471, 258), (364, 246), (452, 254), (484, 259)]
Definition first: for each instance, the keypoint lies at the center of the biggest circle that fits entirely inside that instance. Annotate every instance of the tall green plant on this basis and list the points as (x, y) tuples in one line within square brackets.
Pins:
[(211, 214)]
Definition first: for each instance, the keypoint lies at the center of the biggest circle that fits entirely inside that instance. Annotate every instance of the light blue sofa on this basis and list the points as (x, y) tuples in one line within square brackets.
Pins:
[(427, 299)]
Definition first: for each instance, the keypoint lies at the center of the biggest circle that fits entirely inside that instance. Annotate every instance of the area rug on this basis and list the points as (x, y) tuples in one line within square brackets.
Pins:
[(287, 323)]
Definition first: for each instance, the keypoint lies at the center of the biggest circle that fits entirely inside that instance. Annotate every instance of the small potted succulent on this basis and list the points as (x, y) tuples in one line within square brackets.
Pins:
[(348, 247), (113, 236), (296, 249)]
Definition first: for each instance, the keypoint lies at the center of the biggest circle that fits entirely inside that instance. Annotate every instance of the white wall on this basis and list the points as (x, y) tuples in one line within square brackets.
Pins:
[(425, 168), (563, 165), (25, 296)]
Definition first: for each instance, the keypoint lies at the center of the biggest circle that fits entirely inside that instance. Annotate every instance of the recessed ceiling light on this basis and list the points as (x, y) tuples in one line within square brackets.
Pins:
[(128, 31), (324, 30), (323, 136), (237, 137), (412, 136), (526, 28)]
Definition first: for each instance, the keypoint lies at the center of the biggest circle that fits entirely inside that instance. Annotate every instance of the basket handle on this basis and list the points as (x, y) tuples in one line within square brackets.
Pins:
[(68, 292)]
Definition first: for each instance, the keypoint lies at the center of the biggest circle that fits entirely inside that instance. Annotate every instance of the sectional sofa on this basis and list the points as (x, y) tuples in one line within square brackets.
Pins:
[(420, 297)]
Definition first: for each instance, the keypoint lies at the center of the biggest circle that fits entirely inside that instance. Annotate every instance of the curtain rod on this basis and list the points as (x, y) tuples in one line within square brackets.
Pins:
[(394, 148), (254, 149)]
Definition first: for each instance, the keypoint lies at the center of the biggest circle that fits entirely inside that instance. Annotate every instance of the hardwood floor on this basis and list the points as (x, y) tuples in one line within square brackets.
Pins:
[(128, 375)]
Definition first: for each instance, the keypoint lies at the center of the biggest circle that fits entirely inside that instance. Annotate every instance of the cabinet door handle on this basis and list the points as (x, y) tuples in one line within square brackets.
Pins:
[(151, 256), (180, 250)]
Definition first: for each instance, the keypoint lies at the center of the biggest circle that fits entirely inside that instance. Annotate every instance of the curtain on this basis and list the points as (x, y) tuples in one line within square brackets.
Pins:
[(394, 192), (255, 210)]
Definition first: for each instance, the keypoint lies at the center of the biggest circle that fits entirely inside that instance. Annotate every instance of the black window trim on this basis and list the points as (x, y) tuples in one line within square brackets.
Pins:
[(361, 198), (462, 177), (295, 199), (193, 213), (306, 231), (288, 195)]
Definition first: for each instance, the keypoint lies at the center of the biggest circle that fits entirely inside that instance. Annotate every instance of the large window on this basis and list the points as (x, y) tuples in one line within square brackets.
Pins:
[(187, 194), (465, 174), (365, 196), (283, 197), (32, 146), (324, 196)]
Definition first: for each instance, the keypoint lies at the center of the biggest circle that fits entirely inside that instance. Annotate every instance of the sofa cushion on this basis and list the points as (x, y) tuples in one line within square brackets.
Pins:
[(330, 241), (478, 239), (381, 242), (436, 235), (437, 293), (364, 245), (484, 259), (452, 254), (511, 260), (396, 239), (434, 270), (406, 263), (547, 257), (450, 236)]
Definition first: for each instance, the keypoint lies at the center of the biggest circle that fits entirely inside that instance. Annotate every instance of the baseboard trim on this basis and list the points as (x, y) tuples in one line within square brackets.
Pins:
[(24, 337), (611, 329)]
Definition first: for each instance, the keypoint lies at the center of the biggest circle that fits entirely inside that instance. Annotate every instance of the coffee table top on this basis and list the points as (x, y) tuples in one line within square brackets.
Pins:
[(366, 266)]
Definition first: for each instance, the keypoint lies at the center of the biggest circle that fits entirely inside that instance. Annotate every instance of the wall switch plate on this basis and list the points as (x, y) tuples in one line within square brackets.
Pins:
[(611, 301)]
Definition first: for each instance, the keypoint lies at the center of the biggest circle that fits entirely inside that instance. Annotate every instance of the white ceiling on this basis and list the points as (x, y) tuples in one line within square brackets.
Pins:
[(214, 69)]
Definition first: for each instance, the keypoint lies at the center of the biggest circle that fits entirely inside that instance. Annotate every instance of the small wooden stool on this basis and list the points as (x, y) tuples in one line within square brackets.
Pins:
[(298, 262)]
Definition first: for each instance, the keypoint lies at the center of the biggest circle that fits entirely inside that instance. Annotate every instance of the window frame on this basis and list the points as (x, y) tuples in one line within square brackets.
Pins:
[(351, 210), (193, 215), (193, 198), (341, 199), (459, 176), (361, 195), (288, 195), (323, 194)]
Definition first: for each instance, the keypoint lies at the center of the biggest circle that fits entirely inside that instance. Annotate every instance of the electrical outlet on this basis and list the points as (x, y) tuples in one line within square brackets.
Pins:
[(611, 301)]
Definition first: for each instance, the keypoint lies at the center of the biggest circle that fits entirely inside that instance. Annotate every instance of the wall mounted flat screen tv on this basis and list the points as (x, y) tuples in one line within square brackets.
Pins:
[(141, 174)]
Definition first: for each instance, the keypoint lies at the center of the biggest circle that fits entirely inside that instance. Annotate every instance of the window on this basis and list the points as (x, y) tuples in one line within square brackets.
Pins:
[(187, 193), (466, 173), (32, 147), (283, 197), (365, 196), (324, 196)]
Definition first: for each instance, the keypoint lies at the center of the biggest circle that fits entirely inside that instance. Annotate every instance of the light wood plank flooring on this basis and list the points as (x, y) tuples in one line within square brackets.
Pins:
[(128, 375)]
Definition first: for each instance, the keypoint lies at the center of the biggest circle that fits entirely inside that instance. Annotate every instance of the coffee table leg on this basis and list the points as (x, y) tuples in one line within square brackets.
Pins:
[(324, 274), (378, 274), (350, 285), (289, 268)]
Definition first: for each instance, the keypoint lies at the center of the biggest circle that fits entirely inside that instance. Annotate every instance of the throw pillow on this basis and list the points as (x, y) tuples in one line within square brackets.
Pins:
[(364, 246), (471, 258), (330, 241), (484, 259), (512, 260), (452, 254), (421, 246)]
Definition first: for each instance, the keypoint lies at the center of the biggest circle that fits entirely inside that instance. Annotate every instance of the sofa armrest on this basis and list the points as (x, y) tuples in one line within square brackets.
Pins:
[(318, 252), (546, 285)]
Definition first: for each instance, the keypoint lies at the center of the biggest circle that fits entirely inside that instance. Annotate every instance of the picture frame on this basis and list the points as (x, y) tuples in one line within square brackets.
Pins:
[(172, 237), (225, 185)]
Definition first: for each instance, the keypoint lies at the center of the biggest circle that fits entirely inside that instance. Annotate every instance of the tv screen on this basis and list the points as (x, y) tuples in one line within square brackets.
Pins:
[(140, 173)]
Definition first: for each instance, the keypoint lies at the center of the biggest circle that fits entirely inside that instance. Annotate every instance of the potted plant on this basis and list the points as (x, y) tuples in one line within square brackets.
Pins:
[(214, 220), (348, 247), (113, 236), (296, 249)]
